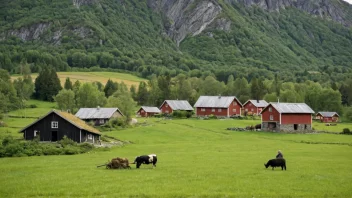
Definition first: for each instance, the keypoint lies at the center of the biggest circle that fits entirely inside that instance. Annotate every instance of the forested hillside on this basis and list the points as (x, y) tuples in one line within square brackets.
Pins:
[(171, 37)]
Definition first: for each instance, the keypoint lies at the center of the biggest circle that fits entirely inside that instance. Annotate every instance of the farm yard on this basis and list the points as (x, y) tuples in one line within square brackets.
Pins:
[(196, 158)]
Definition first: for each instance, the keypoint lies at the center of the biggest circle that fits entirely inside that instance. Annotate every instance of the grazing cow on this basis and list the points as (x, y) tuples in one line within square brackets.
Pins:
[(276, 163), (145, 159)]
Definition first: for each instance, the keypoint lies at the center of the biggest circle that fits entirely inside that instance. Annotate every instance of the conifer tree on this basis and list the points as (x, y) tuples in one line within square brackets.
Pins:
[(68, 84)]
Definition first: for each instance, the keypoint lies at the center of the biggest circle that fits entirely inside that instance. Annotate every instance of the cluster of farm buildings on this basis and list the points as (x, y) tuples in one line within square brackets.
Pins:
[(289, 117)]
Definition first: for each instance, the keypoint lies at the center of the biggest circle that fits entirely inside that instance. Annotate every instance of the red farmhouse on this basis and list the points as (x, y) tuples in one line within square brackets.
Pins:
[(287, 117), (218, 105), (169, 106), (145, 111), (328, 116), (254, 106)]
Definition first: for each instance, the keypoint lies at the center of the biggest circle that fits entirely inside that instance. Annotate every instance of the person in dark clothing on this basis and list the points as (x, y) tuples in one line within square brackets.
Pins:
[(279, 154)]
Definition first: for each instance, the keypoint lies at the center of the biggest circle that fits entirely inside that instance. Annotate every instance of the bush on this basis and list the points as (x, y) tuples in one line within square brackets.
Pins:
[(32, 106), (67, 142), (85, 147), (346, 131), (212, 116)]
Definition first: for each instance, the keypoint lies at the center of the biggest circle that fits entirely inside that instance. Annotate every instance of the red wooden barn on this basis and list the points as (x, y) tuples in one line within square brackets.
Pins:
[(169, 106), (146, 111), (254, 106), (225, 106), (328, 116), (287, 117)]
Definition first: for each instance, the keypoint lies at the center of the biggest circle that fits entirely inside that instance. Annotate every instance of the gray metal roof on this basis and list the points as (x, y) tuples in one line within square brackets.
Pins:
[(151, 109), (257, 103), (179, 105), (328, 114), (96, 113), (291, 107), (215, 101)]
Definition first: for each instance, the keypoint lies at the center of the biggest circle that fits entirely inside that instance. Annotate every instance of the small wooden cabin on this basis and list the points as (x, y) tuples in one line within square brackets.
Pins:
[(146, 111), (327, 116), (98, 115), (168, 106), (254, 107), (55, 125), (224, 106)]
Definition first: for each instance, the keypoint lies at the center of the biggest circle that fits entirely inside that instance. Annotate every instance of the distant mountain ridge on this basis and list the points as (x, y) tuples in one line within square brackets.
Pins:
[(239, 37)]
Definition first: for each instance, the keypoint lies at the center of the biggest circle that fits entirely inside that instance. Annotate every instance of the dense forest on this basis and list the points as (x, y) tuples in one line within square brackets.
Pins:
[(130, 36)]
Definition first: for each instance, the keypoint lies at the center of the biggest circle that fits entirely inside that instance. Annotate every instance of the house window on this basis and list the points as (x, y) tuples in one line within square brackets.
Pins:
[(36, 133), (54, 124), (234, 110), (101, 121), (252, 109), (166, 111), (271, 117), (234, 103), (212, 110), (270, 109), (202, 109), (90, 136), (166, 105), (219, 110), (250, 104)]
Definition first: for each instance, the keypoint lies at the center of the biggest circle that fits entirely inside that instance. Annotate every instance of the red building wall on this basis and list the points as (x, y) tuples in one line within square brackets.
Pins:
[(250, 108), (329, 119), (266, 115), (142, 113), (235, 105), (299, 118), (165, 108), (208, 111)]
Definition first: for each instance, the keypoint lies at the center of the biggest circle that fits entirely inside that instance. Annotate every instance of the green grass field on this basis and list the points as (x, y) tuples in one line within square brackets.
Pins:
[(102, 77), (196, 158)]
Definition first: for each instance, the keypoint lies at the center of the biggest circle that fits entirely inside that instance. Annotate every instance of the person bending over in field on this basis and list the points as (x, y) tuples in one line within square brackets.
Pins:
[(279, 154)]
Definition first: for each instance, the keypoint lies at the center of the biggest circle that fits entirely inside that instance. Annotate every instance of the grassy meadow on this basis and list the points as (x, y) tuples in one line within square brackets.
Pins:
[(196, 158), (102, 77)]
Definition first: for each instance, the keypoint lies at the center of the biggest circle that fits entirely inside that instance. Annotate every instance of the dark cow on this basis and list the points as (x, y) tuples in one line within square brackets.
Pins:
[(145, 159), (276, 163)]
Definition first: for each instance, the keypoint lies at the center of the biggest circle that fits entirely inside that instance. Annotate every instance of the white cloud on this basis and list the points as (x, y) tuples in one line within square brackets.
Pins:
[(349, 1)]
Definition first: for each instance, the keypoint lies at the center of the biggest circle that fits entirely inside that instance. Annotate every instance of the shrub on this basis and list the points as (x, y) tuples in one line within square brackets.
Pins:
[(32, 106), (71, 150), (67, 142), (85, 147), (212, 116), (346, 131)]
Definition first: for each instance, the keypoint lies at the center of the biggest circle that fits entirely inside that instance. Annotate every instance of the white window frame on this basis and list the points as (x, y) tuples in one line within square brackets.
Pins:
[(234, 110), (90, 137), (36, 133), (271, 117), (166, 105), (234, 103), (270, 109), (219, 110), (54, 124), (101, 121), (202, 109), (213, 110)]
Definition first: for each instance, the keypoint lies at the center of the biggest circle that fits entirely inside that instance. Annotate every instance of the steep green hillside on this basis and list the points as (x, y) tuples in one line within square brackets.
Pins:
[(135, 36)]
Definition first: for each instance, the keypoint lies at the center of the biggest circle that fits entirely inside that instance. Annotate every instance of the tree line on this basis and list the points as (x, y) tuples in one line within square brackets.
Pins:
[(74, 95)]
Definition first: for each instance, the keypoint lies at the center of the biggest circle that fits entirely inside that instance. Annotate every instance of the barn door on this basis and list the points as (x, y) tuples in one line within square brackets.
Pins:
[(54, 136)]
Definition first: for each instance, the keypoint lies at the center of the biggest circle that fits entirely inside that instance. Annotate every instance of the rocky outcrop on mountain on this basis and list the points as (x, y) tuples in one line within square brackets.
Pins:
[(183, 17), (32, 32), (79, 3), (333, 9)]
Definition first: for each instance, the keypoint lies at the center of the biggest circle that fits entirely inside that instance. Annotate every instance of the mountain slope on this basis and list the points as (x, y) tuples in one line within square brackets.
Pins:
[(240, 37)]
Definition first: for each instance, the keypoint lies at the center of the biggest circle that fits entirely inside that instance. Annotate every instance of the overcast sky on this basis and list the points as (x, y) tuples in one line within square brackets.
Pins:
[(349, 1)]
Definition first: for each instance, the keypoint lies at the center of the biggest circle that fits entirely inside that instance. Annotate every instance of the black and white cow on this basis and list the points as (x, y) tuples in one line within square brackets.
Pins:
[(145, 159)]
